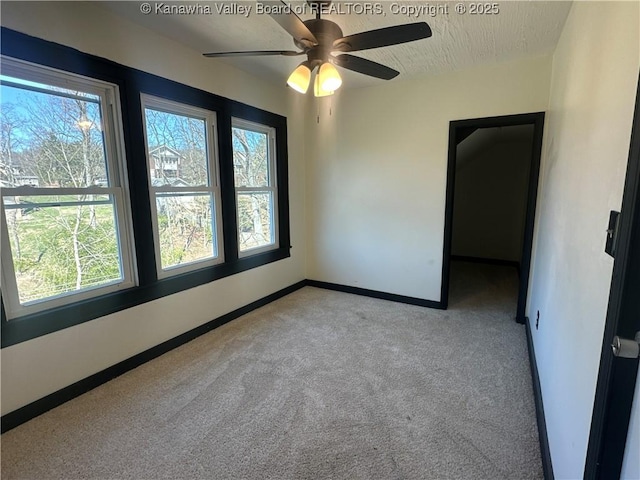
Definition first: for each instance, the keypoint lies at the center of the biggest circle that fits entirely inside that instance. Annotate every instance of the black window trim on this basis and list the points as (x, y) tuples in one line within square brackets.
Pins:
[(131, 83)]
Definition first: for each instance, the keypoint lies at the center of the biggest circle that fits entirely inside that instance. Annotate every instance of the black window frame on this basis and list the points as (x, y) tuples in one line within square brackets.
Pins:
[(132, 83)]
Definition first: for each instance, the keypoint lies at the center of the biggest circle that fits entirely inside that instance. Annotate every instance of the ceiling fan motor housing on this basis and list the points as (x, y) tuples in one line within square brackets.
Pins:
[(326, 32)]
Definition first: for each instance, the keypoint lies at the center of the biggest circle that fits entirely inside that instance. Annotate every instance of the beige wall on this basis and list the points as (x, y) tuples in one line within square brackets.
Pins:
[(376, 172), (585, 153), (33, 369)]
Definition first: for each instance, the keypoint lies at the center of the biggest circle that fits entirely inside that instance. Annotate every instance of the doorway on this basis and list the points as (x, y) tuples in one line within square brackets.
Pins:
[(495, 238)]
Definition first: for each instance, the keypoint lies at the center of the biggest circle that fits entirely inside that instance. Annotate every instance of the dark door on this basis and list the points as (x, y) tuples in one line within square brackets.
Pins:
[(617, 375)]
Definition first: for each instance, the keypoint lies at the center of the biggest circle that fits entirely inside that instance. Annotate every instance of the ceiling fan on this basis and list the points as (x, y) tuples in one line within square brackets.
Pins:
[(321, 39)]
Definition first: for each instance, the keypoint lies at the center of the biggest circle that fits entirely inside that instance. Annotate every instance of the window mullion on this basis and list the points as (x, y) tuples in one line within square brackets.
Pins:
[(27, 191), (66, 203), (264, 189), (124, 235), (169, 189), (227, 191), (10, 285)]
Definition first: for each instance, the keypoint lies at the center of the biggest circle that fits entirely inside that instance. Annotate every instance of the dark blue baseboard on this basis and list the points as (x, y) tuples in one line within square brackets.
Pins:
[(545, 452), (376, 294)]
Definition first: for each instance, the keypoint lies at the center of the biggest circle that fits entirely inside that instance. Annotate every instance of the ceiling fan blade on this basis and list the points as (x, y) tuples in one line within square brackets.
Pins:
[(383, 37), (362, 65), (286, 53), (292, 24)]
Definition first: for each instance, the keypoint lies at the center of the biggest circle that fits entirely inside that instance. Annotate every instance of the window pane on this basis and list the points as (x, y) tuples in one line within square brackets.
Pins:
[(61, 249), (51, 137), (186, 226), (255, 211), (250, 158), (177, 146)]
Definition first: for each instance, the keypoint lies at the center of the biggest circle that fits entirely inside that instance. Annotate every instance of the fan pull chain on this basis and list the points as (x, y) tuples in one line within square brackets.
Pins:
[(319, 108)]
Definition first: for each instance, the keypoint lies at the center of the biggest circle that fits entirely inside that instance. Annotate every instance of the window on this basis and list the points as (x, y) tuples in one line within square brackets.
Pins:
[(76, 242), (65, 219), (255, 185), (184, 186)]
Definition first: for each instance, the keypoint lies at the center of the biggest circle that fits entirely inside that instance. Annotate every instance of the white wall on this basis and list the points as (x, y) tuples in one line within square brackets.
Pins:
[(33, 369), (376, 172), (490, 200), (585, 154)]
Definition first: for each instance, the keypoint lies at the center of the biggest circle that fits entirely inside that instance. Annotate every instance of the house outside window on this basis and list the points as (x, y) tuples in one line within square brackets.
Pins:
[(164, 162)]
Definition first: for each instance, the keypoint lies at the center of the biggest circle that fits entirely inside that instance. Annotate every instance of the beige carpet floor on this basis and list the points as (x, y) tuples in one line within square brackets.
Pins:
[(317, 385)]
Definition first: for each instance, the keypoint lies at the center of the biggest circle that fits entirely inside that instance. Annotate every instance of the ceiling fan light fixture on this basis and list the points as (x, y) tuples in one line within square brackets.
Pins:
[(318, 91), (320, 39), (300, 78), (329, 77)]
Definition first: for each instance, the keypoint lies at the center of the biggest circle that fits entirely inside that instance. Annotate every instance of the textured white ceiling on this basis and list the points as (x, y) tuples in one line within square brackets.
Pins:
[(519, 29)]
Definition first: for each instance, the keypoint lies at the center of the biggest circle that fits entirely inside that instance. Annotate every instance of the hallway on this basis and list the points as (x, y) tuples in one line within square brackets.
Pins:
[(484, 288)]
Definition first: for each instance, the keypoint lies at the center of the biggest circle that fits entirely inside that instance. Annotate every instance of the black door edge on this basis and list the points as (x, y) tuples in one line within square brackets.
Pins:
[(617, 376)]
